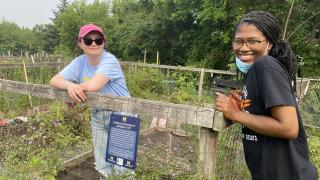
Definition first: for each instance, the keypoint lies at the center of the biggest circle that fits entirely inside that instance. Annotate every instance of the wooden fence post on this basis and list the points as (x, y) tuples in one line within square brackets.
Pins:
[(208, 144), (158, 60), (59, 67), (27, 54), (32, 59), (200, 83), (27, 81), (145, 57), (208, 151)]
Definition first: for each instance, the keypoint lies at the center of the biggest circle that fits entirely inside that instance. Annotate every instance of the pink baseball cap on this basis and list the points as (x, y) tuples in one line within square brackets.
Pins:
[(86, 29)]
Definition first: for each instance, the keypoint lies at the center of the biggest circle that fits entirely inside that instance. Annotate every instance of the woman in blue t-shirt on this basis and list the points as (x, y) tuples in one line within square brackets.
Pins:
[(94, 71), (273, 135)]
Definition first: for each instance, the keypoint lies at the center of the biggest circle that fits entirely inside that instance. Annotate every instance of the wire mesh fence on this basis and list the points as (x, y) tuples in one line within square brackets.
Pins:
[(230, 159), (310, 105)]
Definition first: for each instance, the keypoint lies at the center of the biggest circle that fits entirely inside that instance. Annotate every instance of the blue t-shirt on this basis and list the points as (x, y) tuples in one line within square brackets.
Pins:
[(79, 71)]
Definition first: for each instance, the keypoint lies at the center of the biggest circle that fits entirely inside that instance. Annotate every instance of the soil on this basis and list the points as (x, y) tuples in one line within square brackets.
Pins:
[(179, 159), (9, 132), (182, 153), (180, 145), (83, 171), (154, 152)]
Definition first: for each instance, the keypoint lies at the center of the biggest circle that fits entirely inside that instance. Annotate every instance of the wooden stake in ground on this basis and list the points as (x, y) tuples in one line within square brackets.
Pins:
[(59, 67), (200, 83), (145, 57), (32, 59), (27, 81), (158, 61)]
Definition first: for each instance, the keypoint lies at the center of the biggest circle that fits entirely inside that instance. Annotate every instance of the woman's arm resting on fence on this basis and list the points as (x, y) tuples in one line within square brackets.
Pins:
[(58, 81), (75, 91), (283, 122), (95, 83)]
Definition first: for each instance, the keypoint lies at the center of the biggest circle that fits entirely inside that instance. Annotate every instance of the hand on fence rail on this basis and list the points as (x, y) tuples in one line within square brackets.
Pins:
[(77, 92), (229, 105)]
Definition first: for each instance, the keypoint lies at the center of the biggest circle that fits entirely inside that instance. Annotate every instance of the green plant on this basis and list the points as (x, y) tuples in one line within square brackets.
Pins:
[(36, 148), (314, 145), (175, 87), (146, 83)]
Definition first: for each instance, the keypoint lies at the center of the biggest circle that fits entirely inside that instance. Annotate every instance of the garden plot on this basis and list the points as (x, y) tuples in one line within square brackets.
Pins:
[(161, 153)]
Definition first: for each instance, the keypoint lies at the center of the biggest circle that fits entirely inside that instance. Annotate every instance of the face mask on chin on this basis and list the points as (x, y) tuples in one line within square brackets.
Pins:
[(244, 67)]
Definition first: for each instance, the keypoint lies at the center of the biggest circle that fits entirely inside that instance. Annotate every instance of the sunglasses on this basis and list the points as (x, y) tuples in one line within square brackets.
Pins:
[(98, 41)]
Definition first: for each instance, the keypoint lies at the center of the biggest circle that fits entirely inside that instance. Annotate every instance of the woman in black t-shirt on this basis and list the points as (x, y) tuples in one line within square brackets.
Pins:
[(274, 138)]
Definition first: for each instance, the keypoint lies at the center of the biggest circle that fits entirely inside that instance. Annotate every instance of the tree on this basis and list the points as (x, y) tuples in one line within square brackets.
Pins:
[(17, 40), (186, 32), (48, 36)]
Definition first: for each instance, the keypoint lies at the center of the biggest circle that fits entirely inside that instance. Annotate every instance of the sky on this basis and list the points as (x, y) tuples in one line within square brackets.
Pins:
[(28, 13)]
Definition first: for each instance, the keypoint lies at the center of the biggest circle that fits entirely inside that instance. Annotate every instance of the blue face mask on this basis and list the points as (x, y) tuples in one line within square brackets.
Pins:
[(243, 67)]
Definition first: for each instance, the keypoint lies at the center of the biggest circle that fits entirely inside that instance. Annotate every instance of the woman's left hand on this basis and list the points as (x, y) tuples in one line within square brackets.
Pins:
[(229, 105)]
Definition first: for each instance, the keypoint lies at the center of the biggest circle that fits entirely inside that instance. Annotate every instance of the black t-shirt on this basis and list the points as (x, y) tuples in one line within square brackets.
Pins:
[(267, 84)]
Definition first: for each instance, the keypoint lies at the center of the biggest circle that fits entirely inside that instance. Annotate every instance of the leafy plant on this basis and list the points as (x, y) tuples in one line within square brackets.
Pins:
[(36, 150), (314, 145)]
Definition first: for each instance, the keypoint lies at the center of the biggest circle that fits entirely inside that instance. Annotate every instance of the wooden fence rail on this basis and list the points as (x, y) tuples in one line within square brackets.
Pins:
[(135, 65), (181, 68), (209, 120), (301, 88), (44, 64)]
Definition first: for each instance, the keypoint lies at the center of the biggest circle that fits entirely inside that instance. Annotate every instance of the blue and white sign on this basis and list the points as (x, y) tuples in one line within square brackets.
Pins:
[(123, 140)]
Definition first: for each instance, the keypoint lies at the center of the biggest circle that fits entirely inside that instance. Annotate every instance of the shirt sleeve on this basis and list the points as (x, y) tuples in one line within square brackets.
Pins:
[(110, 67), (71, 72), (275, 88)]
